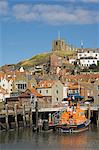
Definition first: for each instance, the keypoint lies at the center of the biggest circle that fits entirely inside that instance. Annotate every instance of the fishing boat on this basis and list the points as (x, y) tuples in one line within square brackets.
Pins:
[(71, 119)]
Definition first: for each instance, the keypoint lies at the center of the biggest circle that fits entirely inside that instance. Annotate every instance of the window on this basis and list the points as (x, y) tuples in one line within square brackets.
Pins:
[(20, 86), (57, 98), (40, 91), (25, 85), (80, 55), (76, 91), (33, 85), (98, 87), (57, 91), (46, 91), (56, 43)]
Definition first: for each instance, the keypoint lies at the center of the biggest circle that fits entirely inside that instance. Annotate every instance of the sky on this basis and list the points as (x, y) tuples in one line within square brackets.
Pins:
[(28, 27)]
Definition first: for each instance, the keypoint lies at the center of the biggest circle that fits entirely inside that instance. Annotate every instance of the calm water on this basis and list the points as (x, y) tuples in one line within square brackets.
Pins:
[(25, 139)]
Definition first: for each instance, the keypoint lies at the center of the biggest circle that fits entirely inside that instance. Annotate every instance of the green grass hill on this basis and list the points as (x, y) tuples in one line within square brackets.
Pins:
[(40, 59), (43, 58)]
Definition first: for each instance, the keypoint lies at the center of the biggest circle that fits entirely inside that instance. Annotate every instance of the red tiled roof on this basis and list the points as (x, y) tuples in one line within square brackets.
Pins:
[(83, 76), (45, 84), (35, 93)]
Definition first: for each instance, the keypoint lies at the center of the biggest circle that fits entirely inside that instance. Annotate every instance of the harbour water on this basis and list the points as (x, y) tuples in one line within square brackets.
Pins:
[(25, 139)]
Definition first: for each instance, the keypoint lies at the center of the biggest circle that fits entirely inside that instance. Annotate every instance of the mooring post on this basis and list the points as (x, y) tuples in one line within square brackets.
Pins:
[(15, 112), (24, 118), (7, 123)]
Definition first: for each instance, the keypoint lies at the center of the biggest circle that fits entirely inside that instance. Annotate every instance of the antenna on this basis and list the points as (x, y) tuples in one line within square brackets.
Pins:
[(82, 44), (58, 35)]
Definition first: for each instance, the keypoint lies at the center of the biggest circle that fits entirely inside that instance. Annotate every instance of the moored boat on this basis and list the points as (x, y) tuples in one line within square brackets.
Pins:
[(72, 119)]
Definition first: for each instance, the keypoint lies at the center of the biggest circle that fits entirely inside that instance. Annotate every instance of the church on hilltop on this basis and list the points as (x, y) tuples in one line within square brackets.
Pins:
[(60, 45)]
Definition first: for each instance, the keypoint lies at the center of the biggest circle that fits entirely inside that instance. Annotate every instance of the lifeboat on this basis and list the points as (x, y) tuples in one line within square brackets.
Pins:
[(70, 119)]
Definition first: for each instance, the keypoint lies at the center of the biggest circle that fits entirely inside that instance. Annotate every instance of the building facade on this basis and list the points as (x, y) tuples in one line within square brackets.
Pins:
[(96, 92), (6, 84), (52, 91)]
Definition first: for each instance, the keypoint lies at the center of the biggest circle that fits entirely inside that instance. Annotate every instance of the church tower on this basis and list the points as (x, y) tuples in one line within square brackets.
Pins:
[(59, 44)]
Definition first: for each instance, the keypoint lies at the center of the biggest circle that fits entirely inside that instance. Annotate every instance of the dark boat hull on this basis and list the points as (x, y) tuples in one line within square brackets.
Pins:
[(73, 128)]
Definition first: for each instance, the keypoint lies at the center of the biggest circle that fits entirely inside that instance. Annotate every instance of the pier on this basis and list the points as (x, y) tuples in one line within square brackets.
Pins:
[(14, 118)]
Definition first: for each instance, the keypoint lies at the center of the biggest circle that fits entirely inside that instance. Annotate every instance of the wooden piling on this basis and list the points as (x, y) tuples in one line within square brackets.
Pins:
[(89, 112), (7, 123), (30, 116), (36, 110), (24, 118), (98, 118), (15, 112)]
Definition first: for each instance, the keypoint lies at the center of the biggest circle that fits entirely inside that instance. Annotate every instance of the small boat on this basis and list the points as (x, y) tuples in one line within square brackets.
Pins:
[(72, 119)]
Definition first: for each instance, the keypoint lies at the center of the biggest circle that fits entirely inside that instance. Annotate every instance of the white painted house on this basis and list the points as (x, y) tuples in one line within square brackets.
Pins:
[(88, 57), (6, 84), (87, 61), (89, 53)]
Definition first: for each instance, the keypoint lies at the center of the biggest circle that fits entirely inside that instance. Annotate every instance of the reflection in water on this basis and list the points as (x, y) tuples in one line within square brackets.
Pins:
[(27, 140)]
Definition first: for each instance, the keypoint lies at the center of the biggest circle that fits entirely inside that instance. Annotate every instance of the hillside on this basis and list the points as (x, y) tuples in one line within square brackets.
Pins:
[(39, 59), (43, 58)]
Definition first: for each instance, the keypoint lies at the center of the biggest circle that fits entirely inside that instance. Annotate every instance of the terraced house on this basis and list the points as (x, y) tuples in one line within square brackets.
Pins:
[(52, 91)]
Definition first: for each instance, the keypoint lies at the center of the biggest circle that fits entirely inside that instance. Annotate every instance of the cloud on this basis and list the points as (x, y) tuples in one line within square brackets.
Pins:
[(55, 14), (85, 1), (3, 7), (90, 1), (24, 12)]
